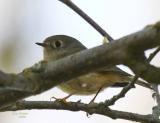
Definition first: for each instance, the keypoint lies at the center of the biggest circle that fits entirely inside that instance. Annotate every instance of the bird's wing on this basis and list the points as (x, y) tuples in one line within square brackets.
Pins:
[(115, 70)]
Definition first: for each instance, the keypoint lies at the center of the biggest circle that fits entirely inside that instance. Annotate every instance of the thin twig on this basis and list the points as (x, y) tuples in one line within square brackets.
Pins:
[(75, 8), (152, 55), (122, 93), (131, 84), (156, 109)]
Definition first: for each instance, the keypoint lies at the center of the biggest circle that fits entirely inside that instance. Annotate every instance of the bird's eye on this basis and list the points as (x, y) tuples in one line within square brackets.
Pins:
[(58, 44)]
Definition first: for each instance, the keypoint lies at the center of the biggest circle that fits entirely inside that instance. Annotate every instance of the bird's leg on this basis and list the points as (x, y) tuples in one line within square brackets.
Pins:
[(92, 101), (96, 95)]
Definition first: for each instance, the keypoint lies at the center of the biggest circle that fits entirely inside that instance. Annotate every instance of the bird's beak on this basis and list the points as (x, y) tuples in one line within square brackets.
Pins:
[(41, 44)]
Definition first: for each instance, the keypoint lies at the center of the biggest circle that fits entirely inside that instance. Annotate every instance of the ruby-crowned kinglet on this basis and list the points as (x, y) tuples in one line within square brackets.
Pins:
[(59, 46)]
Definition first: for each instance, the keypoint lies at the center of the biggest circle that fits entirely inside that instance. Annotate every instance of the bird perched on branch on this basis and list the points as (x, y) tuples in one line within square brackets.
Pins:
[(59, 46)]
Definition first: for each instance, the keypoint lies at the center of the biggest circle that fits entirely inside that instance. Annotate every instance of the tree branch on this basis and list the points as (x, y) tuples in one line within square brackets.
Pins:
[(88, 108), (128, 50), (156, 109), (75, 8), (130, 85)]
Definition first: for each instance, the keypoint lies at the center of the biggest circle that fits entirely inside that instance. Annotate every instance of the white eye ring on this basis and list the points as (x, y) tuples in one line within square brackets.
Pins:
[(58, 44)]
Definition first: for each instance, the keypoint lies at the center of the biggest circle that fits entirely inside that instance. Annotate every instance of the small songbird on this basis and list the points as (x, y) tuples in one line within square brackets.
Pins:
[(59, 46)]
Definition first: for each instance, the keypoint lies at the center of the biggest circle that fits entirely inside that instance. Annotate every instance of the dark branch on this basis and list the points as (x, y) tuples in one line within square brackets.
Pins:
[(130, 85), (156, 109), (122, 93), (75, 8), (77, 106), (152, 55)]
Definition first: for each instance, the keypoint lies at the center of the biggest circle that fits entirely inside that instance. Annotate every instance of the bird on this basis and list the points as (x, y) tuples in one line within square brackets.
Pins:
[(59, 46)]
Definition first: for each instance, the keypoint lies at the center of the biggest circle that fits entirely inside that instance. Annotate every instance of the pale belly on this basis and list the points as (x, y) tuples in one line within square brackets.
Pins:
[(90, 83)]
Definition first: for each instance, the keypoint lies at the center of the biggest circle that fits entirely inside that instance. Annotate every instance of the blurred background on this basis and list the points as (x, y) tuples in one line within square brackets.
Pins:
[(25, 22)]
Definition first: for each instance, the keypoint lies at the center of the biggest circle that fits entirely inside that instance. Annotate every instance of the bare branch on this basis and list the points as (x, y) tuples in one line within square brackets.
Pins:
[(121, 94), (75, 8), (130, 85), (88, 108), (156, 109)]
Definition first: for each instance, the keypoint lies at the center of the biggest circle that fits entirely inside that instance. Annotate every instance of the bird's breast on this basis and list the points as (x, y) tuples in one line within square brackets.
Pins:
[(88, 84)]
